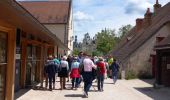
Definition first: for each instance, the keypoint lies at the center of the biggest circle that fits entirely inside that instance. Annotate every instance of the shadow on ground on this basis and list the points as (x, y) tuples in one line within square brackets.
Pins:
[(149, 81), (74, 95), (156, 94), (108, 83), (20, 93)]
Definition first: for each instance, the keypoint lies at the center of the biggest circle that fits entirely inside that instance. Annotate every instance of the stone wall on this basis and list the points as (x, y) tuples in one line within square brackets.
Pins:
[(140, 60)]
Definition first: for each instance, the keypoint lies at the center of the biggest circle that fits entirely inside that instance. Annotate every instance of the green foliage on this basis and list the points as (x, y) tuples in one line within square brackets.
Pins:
[(124, 30), (105, 41), (130, 75), (96, 53), (76, 52)]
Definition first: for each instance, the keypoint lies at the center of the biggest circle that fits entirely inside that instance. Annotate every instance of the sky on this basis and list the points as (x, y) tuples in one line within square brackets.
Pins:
[(94, 15)]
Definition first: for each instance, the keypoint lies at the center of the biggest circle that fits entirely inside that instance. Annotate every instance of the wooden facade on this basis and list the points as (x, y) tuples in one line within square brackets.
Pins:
[(7, 64), (24, 46)]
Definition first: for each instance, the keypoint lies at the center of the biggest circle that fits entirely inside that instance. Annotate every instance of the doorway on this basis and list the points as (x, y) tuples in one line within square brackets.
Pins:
[(32, 65)]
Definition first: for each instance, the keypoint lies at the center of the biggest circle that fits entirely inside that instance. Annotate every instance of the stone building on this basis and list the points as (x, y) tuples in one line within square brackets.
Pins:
[(87, 45), (136, 50), (55, 15)]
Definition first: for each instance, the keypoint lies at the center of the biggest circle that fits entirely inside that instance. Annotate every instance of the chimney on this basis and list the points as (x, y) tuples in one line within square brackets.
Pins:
[(139, 24), (156, 6), (147, 19)]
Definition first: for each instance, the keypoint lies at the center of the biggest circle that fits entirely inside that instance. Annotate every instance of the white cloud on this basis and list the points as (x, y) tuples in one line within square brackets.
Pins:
[(137, 6), (81, 16)]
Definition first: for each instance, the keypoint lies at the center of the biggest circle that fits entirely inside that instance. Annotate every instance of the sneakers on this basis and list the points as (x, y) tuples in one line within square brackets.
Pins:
[(85, 94)]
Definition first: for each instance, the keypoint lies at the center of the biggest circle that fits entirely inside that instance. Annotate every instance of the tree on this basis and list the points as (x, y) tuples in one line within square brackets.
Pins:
[(124, 30), (96, 53), (76, 51), (105, 41)]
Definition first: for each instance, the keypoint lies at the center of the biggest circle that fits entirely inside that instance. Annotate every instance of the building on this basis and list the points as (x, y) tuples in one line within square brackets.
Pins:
[(163, 62), (136, 50), (24, 46), (87, 46), (57, 17)]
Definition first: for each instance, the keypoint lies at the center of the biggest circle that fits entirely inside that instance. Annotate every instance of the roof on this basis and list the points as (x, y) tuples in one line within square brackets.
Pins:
[(17, 16), (164, 44), (124, 40), (49, 12), (158, 21)]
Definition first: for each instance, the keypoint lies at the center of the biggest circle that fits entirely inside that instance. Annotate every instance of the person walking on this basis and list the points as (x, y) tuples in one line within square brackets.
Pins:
[(50, 69), (87, 74), (69, 60), (110, 61), (56, 60), (101, 69), (107, 68), (75, 75), (63, 74), (80, 60), (115, 70)]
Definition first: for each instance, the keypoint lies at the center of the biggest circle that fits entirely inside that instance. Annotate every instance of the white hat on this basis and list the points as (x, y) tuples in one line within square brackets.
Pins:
[(64, 57)]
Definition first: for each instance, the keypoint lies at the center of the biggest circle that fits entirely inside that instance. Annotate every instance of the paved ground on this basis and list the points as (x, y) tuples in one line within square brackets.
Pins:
[(122, 90)]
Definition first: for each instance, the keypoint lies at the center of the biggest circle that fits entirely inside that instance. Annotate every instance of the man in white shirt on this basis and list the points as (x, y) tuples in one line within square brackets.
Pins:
[(87, 74)]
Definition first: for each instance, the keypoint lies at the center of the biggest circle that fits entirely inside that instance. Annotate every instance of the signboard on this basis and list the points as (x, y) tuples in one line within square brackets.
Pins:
[(18, 56), (168, 66)]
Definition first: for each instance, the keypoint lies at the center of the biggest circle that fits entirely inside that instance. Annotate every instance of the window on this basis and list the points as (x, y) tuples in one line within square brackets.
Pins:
[(3, 62)]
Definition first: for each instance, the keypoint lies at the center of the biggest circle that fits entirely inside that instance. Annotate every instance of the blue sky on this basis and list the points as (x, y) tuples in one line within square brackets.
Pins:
[(93, 15)]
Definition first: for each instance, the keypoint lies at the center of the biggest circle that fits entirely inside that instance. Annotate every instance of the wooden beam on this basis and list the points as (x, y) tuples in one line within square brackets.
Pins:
[(10, 75)]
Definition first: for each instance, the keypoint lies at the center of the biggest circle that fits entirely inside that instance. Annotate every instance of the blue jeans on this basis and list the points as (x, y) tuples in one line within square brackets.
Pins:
[(100, 82), (75, 82), (114, 76), (80, 80), (88, 78)]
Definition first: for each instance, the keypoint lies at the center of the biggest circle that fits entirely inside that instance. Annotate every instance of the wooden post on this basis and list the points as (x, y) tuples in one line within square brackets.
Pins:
[(10, 75), (23, 62), (42, 65)]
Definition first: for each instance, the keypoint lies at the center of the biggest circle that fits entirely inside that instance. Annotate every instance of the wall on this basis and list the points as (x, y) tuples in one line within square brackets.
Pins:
[(139, 61), (70, 33), (57, 29)]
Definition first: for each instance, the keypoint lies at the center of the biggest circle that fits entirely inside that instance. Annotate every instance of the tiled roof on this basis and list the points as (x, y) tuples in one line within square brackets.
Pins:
[(158, 21), (48, 11)]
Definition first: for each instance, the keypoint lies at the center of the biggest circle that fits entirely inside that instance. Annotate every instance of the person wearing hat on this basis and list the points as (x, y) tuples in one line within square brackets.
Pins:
[(101, 69), (75, 75), (63, 74)]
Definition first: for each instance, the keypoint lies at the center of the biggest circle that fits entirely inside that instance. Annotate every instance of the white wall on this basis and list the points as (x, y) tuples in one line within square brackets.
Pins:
[(70, 33), (61, 29)]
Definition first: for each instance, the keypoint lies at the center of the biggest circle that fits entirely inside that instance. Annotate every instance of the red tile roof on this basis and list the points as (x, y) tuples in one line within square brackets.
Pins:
[(48, 12)]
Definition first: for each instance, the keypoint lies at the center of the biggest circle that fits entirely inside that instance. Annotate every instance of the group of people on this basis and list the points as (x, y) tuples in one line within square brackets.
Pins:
[(81, 68)]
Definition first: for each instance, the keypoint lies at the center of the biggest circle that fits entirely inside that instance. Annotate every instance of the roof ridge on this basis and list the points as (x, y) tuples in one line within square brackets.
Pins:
[(136, 46)]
